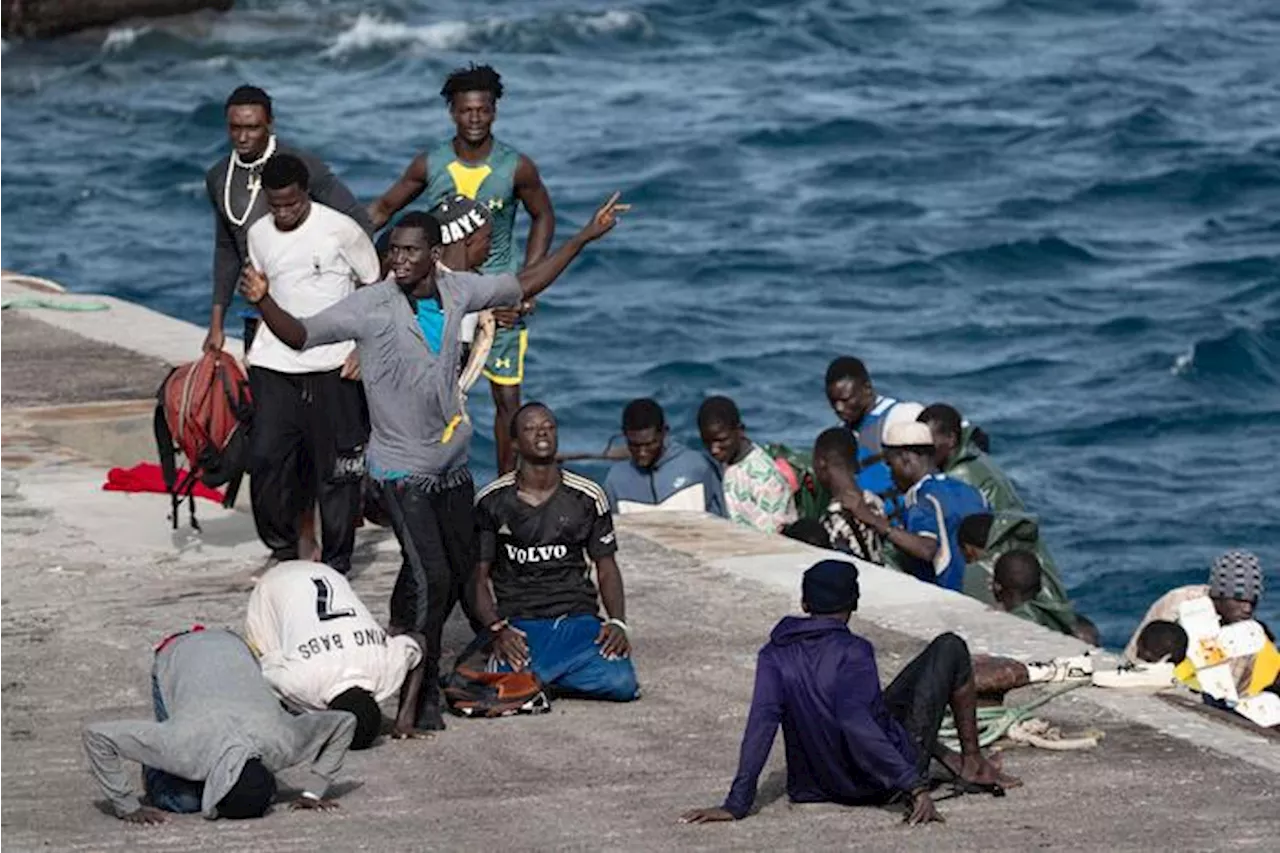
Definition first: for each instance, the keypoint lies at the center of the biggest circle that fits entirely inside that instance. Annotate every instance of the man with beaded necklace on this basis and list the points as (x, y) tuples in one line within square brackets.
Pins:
[(235, 191), (234, 185)]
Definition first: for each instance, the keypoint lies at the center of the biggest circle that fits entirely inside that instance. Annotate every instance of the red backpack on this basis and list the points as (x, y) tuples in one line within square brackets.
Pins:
[(204, 411)]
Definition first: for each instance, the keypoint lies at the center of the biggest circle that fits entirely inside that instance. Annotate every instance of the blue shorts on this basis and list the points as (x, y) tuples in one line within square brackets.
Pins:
[(564, 655)]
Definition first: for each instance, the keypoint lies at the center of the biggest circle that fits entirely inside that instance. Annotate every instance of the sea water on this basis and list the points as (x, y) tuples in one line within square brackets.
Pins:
[(1060, 216)]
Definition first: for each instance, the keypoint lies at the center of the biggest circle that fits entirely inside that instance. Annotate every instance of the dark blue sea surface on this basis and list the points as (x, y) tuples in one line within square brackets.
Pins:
[(1062, 216)]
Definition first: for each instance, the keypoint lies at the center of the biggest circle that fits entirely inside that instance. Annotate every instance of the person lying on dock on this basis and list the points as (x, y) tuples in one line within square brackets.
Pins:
[(756, 495), (420, 436), (834, 465), (846, 740), (320, 648), (661, 474), (935, 507), (538, 527), (1235, 587), (219, 737)]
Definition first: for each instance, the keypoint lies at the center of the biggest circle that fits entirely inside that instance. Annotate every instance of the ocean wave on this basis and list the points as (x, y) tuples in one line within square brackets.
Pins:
[(370, 31), (119, 39), (845, 132), (1041, 255), (1249, 268), (1146, 126), (1073, 8), (1201, 185), (1241, 357), (1123, 327)]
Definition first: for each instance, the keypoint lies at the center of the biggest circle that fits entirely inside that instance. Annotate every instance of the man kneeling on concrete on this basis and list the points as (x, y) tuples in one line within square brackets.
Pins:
[(537, 527), (219, 738), (321, 648), (846, 741)]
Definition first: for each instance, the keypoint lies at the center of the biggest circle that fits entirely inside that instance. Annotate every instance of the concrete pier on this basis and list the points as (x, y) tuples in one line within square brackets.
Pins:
[(92, 579)]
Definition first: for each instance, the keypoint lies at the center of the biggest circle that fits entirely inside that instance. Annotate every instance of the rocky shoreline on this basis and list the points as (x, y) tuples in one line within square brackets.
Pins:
[(35, 19)]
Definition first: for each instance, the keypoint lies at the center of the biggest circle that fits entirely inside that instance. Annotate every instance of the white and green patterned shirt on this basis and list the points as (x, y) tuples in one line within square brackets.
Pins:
[(756, 494)]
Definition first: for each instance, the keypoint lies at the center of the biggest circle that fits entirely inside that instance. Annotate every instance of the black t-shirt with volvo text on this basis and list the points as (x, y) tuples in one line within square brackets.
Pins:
[(538, 555)]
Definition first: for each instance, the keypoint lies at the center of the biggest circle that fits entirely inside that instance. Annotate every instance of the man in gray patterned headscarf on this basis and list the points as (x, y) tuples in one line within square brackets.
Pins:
[(1235, 585)]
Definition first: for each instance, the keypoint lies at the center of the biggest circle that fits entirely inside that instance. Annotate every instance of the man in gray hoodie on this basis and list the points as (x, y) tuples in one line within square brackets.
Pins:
[(661, 473), (219, 738)]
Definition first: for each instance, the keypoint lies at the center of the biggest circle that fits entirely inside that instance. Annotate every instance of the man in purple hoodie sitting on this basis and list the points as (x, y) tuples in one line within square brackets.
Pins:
[(846, 741)]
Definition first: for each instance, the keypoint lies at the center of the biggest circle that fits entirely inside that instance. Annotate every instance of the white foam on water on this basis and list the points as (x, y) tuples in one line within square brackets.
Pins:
[(369, 31), (121, 38), (611, 21), (214, 63), (1184, 362)]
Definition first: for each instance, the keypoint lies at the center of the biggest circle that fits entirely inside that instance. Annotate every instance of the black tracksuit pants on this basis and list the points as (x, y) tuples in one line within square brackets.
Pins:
[(919, 696), (307, 444), (436, 529)]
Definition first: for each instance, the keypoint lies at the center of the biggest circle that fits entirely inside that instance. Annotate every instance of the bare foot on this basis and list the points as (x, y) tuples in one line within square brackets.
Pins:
[(982, 771), (309, 549)]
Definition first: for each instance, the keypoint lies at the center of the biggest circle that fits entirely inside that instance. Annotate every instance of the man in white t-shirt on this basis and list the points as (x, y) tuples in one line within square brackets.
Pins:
[(309, 429), (320, 648)]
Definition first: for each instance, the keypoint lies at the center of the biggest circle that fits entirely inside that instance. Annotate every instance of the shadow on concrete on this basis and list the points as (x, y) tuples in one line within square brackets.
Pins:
[(226, 532), (371, 538)]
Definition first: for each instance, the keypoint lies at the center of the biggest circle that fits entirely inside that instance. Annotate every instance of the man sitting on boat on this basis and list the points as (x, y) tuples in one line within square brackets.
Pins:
[(1015, 586)]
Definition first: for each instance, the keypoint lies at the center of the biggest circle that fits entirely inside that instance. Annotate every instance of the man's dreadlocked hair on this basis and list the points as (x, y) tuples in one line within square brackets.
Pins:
[(474, 78)]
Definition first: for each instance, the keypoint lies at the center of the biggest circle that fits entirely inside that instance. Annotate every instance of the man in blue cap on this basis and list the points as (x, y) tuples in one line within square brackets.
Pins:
[(846, 741)]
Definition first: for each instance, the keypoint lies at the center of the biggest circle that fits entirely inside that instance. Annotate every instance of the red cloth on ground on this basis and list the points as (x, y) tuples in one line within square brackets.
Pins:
[(148, 477)]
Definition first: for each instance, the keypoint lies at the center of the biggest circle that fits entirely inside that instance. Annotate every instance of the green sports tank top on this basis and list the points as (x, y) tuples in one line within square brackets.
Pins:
[(491, 182)]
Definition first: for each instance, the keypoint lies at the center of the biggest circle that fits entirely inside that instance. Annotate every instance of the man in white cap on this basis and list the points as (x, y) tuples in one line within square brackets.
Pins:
[(935, 506)]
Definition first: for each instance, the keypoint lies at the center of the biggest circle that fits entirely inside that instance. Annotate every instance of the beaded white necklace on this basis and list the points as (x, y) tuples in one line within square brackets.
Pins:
[(255, 182)]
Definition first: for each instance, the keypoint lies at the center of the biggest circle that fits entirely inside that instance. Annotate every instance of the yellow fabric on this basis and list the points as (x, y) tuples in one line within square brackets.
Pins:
[(1266, 666), (1186, 673), (504, 363), (467, 179), (447, 435)]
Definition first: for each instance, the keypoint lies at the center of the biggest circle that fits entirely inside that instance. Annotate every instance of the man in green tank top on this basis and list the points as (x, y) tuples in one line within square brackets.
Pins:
[(475, 164)]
